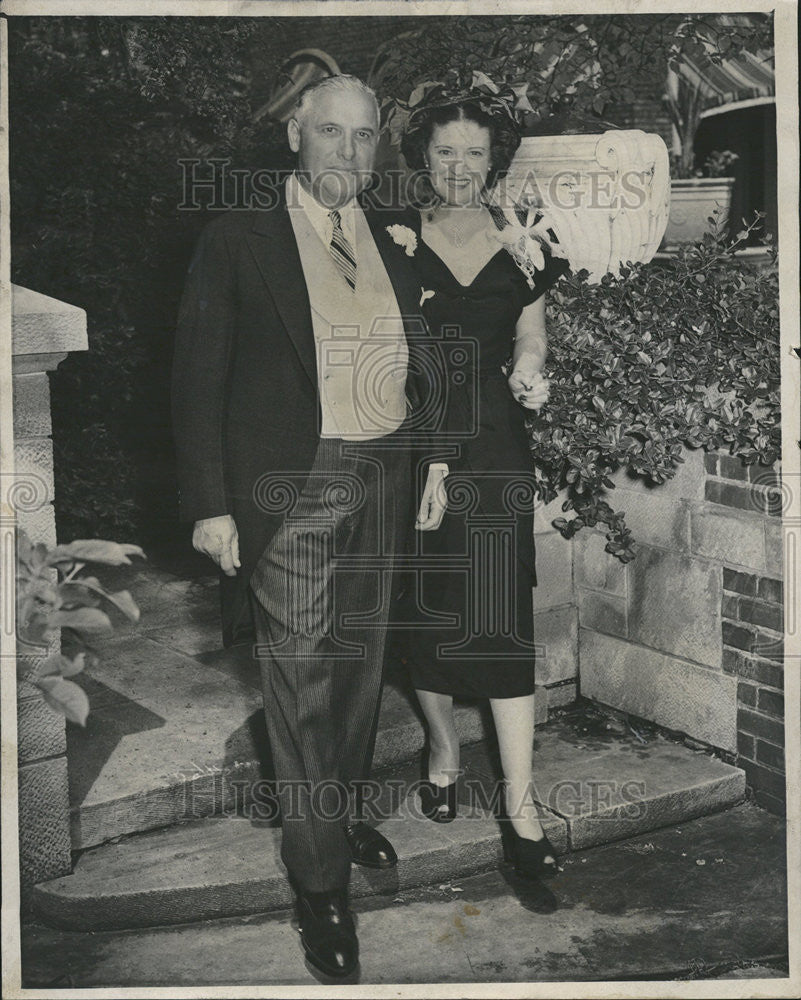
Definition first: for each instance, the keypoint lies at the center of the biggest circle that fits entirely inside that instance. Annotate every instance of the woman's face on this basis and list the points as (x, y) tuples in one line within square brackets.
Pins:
[(459, 161)]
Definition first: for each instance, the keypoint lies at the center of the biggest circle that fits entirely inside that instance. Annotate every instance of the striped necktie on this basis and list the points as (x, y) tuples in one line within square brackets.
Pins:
[(342, 251)]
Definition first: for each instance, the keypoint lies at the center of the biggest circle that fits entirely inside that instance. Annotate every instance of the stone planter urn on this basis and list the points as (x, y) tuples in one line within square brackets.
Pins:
[(606, 193), (692, 201)]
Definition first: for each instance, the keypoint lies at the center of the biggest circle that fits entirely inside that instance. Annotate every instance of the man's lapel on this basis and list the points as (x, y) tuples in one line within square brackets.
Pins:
[(272, 241), (404, 280)]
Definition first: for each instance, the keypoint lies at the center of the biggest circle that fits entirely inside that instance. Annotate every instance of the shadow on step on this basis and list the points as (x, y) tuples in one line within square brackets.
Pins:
[(113, 716)]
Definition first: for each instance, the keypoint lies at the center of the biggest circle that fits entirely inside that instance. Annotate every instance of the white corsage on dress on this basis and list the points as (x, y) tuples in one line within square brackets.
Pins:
[(525, 241)]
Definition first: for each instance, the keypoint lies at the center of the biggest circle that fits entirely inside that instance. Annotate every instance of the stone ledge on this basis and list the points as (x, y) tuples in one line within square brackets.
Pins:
[(562, 694), (230, 865), (40, 730), (596, 568), (42, 325), (774, 549), (201, 730), (687, 483), (554, 572), (556, 631), (43, 820), (607, 787), (603, 612), (674, 605), (655, 518), (32, 405)]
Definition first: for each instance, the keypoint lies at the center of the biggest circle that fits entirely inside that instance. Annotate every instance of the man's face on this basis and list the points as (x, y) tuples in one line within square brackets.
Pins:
[(336, 145)]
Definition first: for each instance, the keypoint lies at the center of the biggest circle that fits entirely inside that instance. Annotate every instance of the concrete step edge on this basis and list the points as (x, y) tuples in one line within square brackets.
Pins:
[(200, 794), (446, 852)]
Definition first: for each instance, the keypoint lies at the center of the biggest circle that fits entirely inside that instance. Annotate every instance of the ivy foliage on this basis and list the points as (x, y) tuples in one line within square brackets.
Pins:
[(667, 355)]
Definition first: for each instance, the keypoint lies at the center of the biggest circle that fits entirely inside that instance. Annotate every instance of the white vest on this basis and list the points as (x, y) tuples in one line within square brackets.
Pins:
[(362, 354)]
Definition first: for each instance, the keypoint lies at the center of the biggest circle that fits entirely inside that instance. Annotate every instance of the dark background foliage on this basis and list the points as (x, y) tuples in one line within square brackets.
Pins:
[(104, 109)]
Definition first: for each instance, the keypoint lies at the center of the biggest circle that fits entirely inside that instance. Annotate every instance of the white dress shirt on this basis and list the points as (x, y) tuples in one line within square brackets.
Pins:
[(319, 216)]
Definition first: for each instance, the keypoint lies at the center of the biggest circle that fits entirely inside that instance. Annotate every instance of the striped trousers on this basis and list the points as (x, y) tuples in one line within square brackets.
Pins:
[(322, 594)]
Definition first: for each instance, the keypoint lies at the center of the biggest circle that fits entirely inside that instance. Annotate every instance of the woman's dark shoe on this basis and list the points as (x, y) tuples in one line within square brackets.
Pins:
[(436, 803), (528, 856), (327, 931)]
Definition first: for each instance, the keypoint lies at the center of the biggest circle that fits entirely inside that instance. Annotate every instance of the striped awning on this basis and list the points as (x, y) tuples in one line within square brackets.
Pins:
[(748, 79)]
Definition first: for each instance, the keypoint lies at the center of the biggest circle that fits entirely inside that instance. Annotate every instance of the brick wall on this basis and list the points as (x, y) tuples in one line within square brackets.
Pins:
[(753, 652), (646, 113), (752, 487)]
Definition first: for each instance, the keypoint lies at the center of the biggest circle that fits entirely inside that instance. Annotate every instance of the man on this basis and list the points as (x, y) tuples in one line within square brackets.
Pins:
[(292, 380)]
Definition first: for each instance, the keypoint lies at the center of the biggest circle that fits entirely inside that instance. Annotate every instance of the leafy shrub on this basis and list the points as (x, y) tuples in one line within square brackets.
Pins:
[(668, 355)]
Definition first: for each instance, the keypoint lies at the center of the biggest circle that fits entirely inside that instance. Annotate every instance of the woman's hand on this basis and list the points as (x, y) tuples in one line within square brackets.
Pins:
[(530, 389), (434, 502)]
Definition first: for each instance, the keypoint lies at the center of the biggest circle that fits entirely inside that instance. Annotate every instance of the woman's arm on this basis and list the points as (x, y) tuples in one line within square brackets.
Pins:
[(531, 338), (526, 382)]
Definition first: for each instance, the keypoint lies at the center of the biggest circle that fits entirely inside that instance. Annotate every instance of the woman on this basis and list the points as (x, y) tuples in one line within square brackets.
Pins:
[(473, 285)]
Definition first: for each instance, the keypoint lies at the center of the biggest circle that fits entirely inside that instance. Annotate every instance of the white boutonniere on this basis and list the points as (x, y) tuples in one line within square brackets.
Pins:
[(404, 237), (425, 293)]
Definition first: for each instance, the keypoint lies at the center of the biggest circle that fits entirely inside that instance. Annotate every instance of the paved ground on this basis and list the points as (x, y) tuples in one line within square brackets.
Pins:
[(703, 900)]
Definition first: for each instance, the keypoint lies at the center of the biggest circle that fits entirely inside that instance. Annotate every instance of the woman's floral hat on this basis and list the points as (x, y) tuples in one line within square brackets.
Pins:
[(511, 100)]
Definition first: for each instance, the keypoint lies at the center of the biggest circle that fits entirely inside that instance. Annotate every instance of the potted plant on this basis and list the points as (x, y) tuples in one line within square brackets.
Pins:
[(53, 594), (696, 193)]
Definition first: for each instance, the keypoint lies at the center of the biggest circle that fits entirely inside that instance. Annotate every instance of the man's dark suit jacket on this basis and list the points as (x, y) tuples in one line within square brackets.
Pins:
[(245, 391)]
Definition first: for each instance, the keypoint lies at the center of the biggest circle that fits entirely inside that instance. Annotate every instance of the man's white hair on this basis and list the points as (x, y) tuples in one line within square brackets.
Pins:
[(342, 81)]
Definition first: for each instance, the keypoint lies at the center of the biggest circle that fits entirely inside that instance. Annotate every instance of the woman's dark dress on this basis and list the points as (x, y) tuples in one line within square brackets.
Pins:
[(485, 543)]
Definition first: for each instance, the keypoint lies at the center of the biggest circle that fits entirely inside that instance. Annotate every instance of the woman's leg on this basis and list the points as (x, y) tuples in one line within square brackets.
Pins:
[(514, 725), (443, 761)]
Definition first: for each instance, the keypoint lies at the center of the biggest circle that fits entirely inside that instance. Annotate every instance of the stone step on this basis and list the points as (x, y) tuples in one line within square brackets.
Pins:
[(176, 724), (593, 786)]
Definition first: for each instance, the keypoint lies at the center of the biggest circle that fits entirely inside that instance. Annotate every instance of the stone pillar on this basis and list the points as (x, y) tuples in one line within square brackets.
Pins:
[(44, 330), (555, 612)]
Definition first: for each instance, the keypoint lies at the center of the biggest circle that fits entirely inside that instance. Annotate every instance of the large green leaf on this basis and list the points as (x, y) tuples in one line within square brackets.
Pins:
[(121, 598), (96, 551), (90, 620), (65, 697)]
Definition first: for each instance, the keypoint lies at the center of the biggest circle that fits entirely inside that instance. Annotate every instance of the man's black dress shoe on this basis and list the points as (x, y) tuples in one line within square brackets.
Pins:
[(328, 932), (368, 847)]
